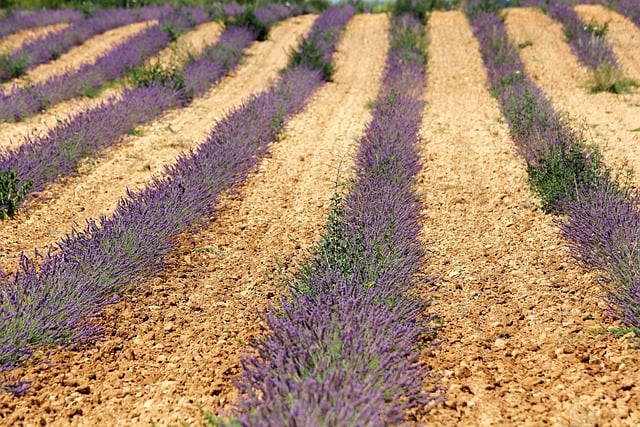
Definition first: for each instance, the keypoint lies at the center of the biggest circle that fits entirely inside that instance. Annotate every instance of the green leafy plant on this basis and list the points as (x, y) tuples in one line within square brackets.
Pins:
[(172, 30), (309, 54), (563, 171), (596, 28), (607, 78), (13, 67), (12, 192), (158, 74)]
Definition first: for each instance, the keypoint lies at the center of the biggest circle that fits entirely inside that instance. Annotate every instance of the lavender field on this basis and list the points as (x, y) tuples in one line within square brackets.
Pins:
[(237, 216)]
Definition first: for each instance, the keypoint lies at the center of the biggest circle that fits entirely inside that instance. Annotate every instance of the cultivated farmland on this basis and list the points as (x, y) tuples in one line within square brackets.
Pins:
[(490, 318)]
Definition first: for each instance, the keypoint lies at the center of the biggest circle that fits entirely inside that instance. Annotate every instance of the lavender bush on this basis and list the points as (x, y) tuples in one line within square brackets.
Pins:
[(19, 20), (55, 303), (600, 216), (51, 46), (344, 350)]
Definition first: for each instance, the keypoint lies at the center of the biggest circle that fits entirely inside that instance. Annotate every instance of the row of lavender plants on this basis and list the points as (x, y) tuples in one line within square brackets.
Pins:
[(18, 20), (23, 101), (41, 160), (56, 303), (628, 8), (344, 348), (52, 45), (589, 43), (598, 212)]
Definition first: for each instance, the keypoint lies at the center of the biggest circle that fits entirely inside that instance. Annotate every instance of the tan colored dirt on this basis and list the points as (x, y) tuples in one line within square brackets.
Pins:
[(609, 120), (131, 164), (79, 55), (194, 41), (520, 319), (175, 345), (622, 33), (14, 41)]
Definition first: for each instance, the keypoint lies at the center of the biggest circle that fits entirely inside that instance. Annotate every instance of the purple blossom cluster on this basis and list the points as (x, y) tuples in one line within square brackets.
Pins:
[(601, 219), (602, 227), (592, 50), (51, 46), (19, 20), (274, 12), (56, 303), (344, 350)]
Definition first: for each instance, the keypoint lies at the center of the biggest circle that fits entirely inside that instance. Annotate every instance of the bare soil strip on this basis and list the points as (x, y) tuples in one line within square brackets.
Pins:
[(13, 134), (519, 317), (79, 55), (609, 120), (16, 40), (176, 344), (622, 33), (103, 181)]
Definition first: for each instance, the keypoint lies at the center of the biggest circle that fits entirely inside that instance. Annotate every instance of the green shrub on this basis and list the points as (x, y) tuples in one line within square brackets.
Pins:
[(12, 192), (309, 54), (563, 172), (608, 78), (157, 74)]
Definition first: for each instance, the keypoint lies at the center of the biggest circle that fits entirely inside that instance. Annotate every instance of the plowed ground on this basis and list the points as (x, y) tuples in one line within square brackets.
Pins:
[(522, 337)]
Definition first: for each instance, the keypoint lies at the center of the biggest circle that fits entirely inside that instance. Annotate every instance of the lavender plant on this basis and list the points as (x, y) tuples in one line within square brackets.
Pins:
[(51, 46), (600, 215), (344, 349), (55, 303)]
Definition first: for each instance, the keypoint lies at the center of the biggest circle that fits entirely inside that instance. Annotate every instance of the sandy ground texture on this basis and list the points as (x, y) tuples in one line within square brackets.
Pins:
[(174, 345), (193, 42), (103, 181), (16, 40), (82, 54), (521, 343), (609, 120)]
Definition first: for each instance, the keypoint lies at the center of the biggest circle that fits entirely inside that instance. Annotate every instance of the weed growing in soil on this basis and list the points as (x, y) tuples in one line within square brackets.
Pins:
[(608, 78), (13, 66), (563, 172), (12, 192)]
